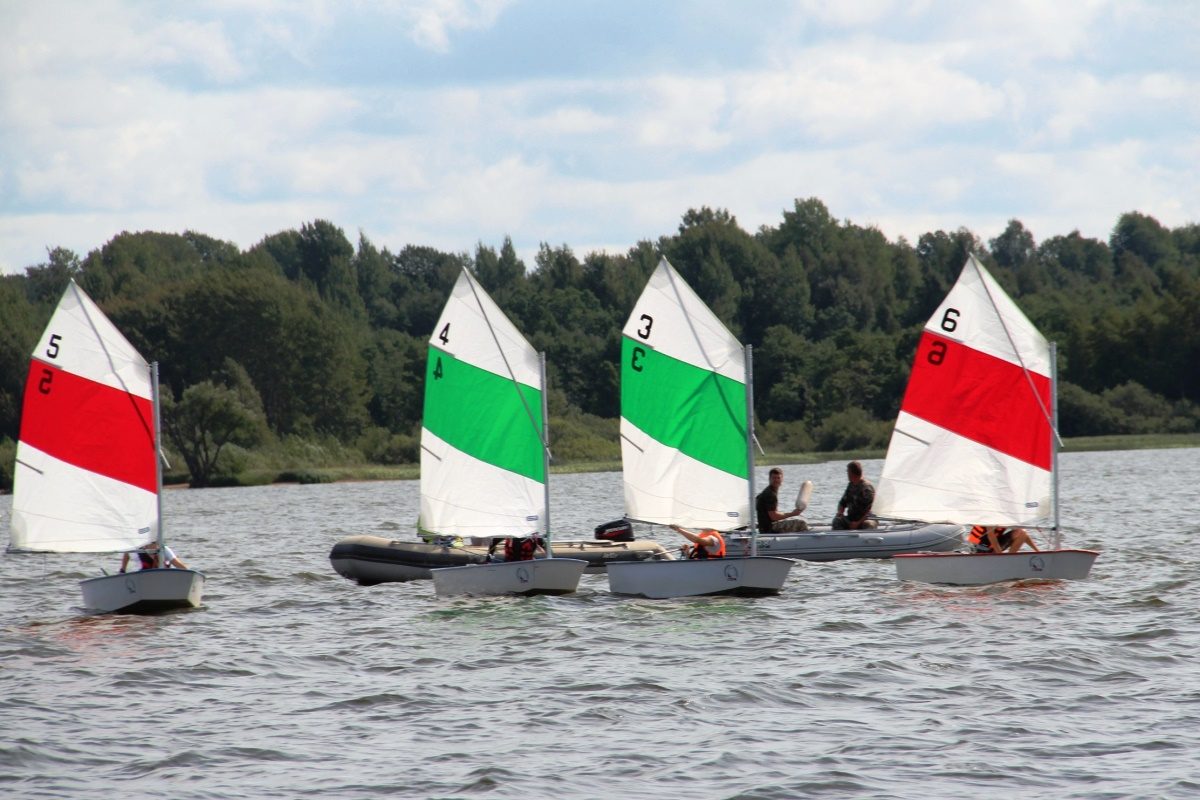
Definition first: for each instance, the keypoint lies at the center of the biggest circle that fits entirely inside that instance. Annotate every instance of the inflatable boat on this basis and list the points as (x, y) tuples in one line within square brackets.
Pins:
[(825, 544), (369, 560)]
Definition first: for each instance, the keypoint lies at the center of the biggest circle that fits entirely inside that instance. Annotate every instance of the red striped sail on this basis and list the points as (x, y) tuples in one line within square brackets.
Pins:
[(89, 425), (974, 439), (980, 397)]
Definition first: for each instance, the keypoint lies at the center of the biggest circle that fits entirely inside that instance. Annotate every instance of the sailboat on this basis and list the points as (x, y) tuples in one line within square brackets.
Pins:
[(976, 439), (484, 447), (88, 475), (686, 433)]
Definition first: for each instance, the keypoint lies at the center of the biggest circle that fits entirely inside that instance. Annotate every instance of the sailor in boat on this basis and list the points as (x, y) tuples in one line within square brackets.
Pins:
[(766, 506), (149, 558), (998, 539), (518, 548), (856, 502), (705, 544)]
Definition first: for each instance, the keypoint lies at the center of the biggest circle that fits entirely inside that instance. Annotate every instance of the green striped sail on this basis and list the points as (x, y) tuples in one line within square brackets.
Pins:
[(683, 411), (482, 466)]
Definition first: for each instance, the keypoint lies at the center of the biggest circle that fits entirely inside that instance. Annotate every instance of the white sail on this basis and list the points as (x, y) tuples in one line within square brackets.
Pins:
[(85, 479), (973, 439), (683, 411), (482, 470)]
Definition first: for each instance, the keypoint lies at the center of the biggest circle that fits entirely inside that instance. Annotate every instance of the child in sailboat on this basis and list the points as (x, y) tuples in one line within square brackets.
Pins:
[(706, 544), (518, 548), (148, 557), (998, 539)]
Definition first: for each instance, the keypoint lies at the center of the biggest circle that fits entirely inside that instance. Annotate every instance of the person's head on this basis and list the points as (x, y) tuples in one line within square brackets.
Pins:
[(775, 476), (854, 471)]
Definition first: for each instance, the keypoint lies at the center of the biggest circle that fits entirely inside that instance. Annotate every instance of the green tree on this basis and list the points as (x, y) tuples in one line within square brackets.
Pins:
[(18, 335), (206, 418), (304, 358), (46, 282)]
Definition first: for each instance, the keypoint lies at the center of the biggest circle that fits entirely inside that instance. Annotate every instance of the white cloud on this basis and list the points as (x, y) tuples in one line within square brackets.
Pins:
[(849, 91), (119, 116), (433, 22)]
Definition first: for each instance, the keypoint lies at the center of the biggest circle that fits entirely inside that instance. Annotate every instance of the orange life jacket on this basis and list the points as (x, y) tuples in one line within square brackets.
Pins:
[(520, 549), (699, 551), (978, 536)]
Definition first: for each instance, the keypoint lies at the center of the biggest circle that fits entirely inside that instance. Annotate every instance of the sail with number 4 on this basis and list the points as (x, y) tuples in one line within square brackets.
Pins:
[(482, 467), (683, 411), (86, 472), (974, 440)]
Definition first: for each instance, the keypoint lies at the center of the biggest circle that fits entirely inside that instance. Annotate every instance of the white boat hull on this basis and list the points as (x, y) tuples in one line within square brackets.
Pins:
[(537, 576), (750, 577), (824, 544), (977, 569), (142, 591)]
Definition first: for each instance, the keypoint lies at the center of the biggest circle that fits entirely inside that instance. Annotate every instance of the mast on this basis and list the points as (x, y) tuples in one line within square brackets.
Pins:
[(1054, 441), (545, 452), (157, 461), (750, 445)]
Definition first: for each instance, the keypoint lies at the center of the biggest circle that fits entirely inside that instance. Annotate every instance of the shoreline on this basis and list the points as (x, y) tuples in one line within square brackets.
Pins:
[(353, 473)]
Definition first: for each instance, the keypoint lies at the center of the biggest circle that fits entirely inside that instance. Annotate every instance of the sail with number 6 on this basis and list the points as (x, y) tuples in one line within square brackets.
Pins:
[(973, 443)]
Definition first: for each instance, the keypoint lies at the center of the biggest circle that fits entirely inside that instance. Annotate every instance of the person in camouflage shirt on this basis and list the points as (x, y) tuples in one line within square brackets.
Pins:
[(856, 501)]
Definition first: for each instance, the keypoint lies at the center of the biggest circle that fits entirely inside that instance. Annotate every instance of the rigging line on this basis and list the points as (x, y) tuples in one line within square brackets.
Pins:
[(700, 343), (112, 365), (1011, 343), (512, 375)]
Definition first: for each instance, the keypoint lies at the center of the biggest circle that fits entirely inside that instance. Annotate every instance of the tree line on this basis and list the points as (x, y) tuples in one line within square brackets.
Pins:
[(308, 347)]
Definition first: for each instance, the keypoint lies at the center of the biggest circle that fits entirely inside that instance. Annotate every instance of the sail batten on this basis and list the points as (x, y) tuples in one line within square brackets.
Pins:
[(973, 440), (482, 464), (683, 411)]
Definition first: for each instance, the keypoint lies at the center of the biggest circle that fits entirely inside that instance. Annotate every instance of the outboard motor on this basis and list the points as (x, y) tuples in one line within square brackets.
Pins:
[(620, 530)]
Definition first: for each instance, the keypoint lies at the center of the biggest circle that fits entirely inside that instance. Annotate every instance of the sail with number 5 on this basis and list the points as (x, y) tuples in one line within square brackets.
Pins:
[(482, 471), (973, 440), (683, 411), (88, 475), (85, 469)]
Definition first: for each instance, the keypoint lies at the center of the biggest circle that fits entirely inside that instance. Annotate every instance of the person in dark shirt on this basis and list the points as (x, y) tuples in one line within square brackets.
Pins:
[(856, 501), (766, 509)]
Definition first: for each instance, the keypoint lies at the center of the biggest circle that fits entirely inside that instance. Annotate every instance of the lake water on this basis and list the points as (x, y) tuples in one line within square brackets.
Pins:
[(292, 682)]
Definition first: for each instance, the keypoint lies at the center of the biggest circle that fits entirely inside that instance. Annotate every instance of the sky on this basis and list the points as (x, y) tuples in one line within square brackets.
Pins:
[(591, 124)]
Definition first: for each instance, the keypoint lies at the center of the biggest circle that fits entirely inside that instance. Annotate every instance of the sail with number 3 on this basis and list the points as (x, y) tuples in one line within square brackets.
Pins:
[(683, 411), (686, 428)]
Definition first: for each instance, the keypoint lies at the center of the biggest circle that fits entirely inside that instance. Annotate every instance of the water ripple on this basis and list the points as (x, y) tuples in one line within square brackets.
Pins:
[(292, 682)]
